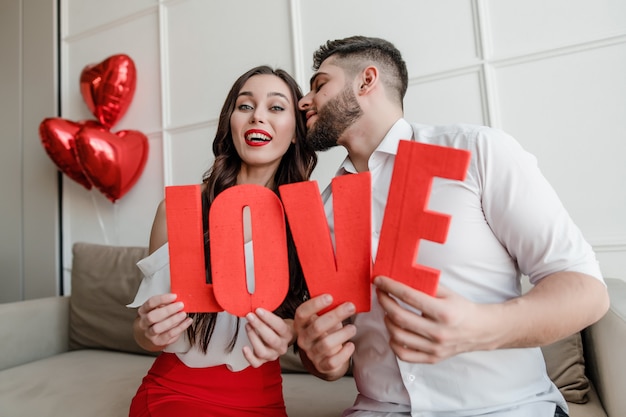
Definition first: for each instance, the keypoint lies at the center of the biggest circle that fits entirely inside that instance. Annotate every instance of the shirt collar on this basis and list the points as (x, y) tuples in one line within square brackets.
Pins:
[(389, 145), (401, 130)]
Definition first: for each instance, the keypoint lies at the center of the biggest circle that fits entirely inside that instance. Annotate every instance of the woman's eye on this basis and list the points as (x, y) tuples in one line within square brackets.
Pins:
[(244, 107), (277, 108)]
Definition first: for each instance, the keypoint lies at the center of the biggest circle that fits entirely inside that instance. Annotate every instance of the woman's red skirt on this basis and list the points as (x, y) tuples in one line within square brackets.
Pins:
[(173, 389)]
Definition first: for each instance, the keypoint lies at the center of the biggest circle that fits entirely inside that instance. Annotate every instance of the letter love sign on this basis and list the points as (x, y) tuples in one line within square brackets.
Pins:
[(344, 271)]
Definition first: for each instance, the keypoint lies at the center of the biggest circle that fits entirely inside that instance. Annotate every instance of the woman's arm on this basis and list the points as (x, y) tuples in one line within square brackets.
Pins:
[(160, 320), (158, 234)]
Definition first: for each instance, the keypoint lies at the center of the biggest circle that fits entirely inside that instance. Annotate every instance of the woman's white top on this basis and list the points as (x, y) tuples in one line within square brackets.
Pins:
[(156, 281)]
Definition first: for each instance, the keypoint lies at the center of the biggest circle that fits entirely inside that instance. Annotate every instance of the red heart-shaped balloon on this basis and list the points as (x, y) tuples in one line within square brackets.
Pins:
[(57, 137), (108, 88), (113, 162)]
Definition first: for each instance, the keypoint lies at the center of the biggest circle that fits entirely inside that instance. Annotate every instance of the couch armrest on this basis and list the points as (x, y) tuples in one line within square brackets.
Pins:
[(33, 329), (604, 347)]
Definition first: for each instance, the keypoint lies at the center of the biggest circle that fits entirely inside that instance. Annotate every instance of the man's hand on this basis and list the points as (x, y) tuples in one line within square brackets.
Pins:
[(559, 305), (324, 340), (269, 335), (448, 324)]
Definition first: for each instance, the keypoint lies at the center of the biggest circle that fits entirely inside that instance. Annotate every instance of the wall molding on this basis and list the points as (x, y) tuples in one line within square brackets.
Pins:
[(295, 14), (610, 249), (150, 10), (609, 245), (188, 127), (475, 68), (559, 51)]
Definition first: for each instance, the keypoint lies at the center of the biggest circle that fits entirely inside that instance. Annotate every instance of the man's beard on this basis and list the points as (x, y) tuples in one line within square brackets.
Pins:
[(333, 119)]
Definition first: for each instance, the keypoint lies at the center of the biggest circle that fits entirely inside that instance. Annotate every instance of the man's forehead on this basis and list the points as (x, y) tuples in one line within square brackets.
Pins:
[(327, 69)]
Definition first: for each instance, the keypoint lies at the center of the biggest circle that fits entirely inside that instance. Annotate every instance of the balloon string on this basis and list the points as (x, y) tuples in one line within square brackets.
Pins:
[(100, 221), (116, 222)]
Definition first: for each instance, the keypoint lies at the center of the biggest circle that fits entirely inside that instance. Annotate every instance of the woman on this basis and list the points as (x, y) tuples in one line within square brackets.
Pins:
[(215, 364)]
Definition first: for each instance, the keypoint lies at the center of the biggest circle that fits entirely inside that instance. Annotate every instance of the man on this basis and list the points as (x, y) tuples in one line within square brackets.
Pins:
[(471, 350)]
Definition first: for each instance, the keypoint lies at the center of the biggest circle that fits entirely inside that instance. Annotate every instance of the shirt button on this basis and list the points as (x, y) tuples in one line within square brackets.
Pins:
[(410, 377)]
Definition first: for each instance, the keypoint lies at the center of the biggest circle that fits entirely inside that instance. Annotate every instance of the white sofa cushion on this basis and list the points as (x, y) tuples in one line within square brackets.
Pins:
[(104, 279), (71, 384)]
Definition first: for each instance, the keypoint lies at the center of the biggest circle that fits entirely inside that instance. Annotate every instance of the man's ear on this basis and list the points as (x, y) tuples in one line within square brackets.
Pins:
[(368, 79)]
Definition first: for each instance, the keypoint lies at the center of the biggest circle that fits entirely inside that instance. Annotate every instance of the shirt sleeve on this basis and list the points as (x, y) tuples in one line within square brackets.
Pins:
[(156, 281), (525, 212), (156, 272)]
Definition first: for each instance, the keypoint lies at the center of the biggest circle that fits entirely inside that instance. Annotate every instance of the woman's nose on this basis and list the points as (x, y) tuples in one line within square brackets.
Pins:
[(258, 115)]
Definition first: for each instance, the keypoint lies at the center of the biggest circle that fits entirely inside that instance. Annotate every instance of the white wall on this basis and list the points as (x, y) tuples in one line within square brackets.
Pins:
[(29, 209), (550, 73)]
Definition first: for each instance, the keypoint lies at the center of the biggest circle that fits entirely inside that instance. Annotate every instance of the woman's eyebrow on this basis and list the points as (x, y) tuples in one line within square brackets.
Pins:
[(270, 94), (277, 94)]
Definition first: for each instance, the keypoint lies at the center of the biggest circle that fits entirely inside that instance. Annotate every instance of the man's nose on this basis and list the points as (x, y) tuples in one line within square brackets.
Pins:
[(305, 102)]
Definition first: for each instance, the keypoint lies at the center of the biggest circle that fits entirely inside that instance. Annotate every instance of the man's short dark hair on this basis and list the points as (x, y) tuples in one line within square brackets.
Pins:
[(356, 52)]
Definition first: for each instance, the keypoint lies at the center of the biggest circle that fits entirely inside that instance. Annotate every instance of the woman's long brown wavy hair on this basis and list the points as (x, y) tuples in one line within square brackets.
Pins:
[(296, 165)]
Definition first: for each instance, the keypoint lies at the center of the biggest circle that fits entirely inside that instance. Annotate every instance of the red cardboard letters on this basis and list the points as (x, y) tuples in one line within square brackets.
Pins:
[(342, 272), (407, 219), (183, 211), (228, 266)]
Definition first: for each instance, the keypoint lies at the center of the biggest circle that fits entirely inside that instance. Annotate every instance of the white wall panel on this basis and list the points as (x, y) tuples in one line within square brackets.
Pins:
[(88, 216), (139, 39), (432, 36), (456, 99), (11, 156), (522, 27), (93, 218), (569, 111), (84, 15), (39, 178), (190, 154), (209, 44), (611, 260), (327, 164), (554, 79), (29, 207)]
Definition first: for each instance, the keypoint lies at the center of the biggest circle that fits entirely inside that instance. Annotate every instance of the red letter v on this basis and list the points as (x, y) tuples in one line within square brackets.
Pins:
[(344, 273)]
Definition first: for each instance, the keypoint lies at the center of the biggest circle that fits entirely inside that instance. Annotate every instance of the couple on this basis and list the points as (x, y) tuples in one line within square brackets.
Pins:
[(469, 351)]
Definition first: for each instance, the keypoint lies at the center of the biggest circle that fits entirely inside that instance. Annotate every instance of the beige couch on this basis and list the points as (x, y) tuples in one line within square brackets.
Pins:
[(75, 356)]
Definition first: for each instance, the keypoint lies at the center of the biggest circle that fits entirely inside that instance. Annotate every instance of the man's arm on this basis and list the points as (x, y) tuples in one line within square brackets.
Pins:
[(561, 304)]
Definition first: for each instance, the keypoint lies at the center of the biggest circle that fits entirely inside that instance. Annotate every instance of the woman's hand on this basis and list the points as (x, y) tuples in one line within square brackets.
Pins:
[(160, 322), (269, 335)]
